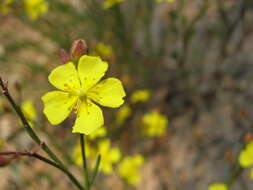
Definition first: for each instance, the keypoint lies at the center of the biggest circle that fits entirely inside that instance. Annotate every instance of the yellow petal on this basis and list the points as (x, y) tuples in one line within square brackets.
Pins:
[(108, 92), (91, 70), (65, 77), (58, 105), (89, 118)]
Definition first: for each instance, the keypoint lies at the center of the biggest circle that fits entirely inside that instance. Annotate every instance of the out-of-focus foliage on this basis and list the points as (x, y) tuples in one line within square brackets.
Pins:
[(5, 6)]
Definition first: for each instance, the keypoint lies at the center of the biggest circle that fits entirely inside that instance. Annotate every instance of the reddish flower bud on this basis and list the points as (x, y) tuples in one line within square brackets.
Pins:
[(64, 56), (78, 49)]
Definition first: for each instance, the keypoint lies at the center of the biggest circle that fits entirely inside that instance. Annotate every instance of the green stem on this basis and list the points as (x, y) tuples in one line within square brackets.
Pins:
[(234, 175), (85, 169), (95, 171), (34, 136), (43, 159)]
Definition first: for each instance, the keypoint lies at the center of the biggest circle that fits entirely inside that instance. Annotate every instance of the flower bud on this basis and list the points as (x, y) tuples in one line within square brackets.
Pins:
[(78, 49), (64, 56)]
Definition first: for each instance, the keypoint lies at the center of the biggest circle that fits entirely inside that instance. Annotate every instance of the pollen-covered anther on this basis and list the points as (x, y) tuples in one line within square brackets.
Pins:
[(66, 86), (75, 108)]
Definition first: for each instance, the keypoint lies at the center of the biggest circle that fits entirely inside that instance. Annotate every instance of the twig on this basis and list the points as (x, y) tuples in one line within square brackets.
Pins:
[(34, 136), (38, 156), (85, 169)]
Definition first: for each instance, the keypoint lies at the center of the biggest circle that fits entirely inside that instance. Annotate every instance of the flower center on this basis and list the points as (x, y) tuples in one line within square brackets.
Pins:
[(81, 93)]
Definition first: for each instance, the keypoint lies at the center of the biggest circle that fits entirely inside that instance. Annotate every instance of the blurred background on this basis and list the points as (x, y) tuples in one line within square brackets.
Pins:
[(187, 68)]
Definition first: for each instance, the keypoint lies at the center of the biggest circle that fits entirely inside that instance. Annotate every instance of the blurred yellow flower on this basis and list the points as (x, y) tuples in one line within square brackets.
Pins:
[(29, 111), (110, 3), (169, 1), (154, 124), (77, 154), (35, 8), (246, 156), (123, 114), (129, 169), (5, 6), (80, 88), (109, 155), (141, 95), (218, 186), (103, 50), (101, 132)]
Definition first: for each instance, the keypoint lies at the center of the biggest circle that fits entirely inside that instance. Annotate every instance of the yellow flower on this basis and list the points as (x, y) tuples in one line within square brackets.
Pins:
[(140, 96), (80, 89), (246, 156), (5, 6), (109, 155), (29, 111), (129, 169), (218, 186), (110, 3), (35, 8), (103, 50), (154, 124), (123, 114)]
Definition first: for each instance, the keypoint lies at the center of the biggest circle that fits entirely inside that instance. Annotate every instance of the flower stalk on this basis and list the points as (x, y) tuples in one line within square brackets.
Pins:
[(85, 168)]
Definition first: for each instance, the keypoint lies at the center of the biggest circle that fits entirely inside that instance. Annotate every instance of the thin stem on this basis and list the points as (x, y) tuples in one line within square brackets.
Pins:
[(43, 159), (234, 175), (95, 171), (34, 136), (85, 169)]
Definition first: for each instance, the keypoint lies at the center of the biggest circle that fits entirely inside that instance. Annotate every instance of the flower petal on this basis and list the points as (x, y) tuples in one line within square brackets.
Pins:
[(91, 70), (58, 105), (108, 92), (89, 118), (65, 77)]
